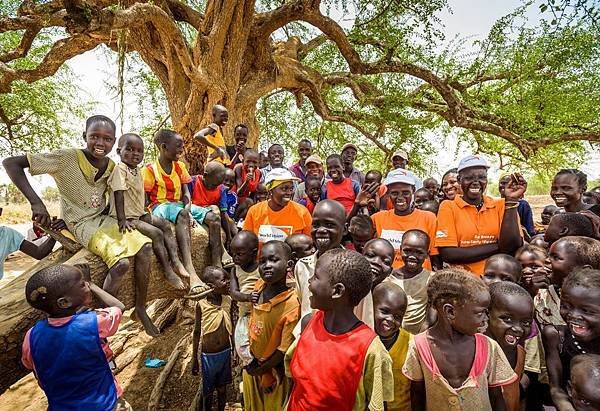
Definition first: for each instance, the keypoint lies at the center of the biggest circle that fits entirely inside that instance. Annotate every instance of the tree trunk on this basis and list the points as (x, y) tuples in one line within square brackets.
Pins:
[(17, 316)]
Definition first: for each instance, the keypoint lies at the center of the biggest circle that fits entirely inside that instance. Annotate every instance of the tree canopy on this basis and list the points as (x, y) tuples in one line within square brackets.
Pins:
[(332, 70)]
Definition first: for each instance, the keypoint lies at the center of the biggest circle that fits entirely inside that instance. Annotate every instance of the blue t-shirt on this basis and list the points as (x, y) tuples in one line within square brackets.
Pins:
[(232, 203), (10, 241)]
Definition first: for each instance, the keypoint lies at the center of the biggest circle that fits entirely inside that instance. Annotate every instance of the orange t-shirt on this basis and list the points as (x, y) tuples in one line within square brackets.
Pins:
[(277, 225), (392, 227), (459, 224)]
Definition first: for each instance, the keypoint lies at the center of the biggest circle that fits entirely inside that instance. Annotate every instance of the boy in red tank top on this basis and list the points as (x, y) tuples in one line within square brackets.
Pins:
[(338, 362), (341, 188)]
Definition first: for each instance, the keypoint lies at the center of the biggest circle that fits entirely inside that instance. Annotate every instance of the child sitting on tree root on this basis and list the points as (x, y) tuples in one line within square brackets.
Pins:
[(81, 176), (166, 185), (127, 205)]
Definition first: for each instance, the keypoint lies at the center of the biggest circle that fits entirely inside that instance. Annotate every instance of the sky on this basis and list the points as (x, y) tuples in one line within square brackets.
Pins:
[(467, 19)]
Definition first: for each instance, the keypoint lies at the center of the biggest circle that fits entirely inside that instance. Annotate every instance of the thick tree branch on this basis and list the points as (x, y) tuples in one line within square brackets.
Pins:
[(60, 52), (183, 12), (23, 48)]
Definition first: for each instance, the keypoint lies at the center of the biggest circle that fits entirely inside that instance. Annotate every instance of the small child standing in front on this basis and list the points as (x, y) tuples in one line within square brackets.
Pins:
[(389, 302), (339, 362), (212, 327), (414, 279), (127, 205), (452, 363), (243, 249), (360, 230), (166, 185), (511, 318), (67, 351), (274, 315)]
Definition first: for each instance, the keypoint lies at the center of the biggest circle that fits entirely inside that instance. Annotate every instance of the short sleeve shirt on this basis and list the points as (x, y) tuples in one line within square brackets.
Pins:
[(460, 224), (108, 324), (131, 182), (269, 225), (10, 241), (271, 323), (490, 368), (203, 197), (163, 187), (82, 196), (392, 227)]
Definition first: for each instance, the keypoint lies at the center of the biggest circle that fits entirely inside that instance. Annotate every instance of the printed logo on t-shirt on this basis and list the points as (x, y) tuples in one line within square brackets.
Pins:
[(268, 232), (394, 237), (479, 239), (441, 234)]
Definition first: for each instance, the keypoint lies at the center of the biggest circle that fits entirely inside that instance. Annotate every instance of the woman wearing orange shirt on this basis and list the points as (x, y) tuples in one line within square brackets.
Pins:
[(391, 224), (278, 217), (473, 226)]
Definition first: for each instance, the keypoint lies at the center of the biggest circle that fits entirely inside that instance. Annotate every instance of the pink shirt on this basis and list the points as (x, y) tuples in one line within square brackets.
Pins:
[(108, 324)]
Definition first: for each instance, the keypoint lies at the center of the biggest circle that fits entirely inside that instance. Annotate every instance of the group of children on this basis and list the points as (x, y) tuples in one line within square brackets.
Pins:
[(348, 292)]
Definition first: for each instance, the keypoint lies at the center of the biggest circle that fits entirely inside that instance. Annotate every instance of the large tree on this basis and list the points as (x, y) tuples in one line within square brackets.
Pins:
[(379, 71)]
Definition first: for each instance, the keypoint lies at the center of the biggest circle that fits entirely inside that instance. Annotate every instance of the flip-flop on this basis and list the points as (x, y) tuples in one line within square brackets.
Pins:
[(198, 295)]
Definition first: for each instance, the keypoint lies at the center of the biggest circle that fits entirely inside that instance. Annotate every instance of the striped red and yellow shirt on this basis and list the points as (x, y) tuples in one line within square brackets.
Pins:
[(163, 187)]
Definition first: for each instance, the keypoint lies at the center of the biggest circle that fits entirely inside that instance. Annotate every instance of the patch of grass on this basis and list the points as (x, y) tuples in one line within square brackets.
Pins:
[(21, 213)]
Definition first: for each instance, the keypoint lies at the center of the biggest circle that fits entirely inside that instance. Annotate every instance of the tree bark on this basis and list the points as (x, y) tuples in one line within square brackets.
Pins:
[(17, 316)]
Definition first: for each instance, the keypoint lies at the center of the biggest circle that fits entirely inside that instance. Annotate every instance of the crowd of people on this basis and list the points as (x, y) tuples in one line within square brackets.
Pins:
[(335, 289)]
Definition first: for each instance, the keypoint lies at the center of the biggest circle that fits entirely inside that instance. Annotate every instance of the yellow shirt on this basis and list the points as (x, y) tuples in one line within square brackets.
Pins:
[(214, 315), (401, 383), (217, 140)]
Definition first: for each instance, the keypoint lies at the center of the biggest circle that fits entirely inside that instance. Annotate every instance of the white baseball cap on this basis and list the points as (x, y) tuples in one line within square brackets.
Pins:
[(401, 154), (280, 174), (473, 161), (399, 176)]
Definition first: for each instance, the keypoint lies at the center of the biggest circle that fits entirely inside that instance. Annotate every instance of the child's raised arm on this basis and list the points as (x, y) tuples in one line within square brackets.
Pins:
[(105, 299), (201, 137), (15, 168)]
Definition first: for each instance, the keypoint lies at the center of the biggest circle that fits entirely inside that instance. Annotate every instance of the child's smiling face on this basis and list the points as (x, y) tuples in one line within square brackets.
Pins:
[(172, 149), (100, 139), (510, 322), (583, 387), (580, 310), (313, 190), (414, 251), (320, 286), (335, 170), (565, 190), (389, 309), (380, 255), (328, 225)]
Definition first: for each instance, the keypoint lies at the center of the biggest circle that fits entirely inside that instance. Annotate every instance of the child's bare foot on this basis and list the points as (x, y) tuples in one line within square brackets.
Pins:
[(174, 280), (140, 314), (180, 269)]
